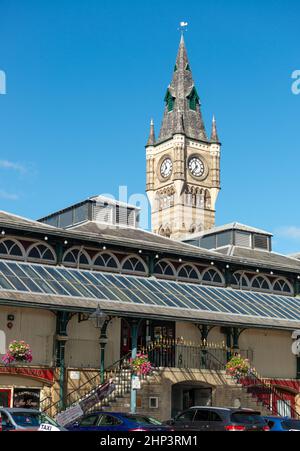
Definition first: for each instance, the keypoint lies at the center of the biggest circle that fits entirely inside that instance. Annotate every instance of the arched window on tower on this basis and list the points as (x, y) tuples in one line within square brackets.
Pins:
[(193, 99), (169, 99), (11, 248), (207, 199)]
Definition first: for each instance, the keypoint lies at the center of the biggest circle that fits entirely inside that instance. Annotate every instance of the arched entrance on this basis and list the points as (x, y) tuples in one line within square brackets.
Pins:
[(190, 393)]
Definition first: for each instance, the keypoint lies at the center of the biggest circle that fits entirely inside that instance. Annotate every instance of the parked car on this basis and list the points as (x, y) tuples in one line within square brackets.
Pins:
[(17, 419), (201, 418), (112, 421), (283, 424)]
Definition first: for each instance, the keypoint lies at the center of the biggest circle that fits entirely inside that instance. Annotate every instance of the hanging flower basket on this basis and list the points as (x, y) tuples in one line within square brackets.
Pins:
[(18, 351), (141, 365), (238, 367)]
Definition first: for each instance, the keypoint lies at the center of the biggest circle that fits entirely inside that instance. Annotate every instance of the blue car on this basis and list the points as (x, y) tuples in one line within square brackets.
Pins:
[(283, 424), (111, 421)]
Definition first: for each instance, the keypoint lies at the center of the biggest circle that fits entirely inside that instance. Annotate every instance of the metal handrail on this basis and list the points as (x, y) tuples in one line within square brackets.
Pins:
[(89, 382), (258, 382)]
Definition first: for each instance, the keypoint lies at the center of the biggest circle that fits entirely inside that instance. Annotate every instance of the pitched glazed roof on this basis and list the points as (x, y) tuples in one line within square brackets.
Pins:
[(182, 119), (90, 233)]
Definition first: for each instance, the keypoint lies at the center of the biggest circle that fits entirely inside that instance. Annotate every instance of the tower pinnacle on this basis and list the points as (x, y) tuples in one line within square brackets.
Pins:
[(214, 134), (151, 139)]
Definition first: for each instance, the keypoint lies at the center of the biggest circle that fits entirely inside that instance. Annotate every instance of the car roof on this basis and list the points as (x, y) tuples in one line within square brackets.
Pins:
[(228, 409)]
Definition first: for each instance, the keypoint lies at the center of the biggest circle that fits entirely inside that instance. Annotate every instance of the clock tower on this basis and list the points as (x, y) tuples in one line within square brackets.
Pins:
[(183, 164)]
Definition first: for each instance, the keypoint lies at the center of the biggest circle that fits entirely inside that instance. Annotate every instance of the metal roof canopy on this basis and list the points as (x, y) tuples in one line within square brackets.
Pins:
[(60, 288)]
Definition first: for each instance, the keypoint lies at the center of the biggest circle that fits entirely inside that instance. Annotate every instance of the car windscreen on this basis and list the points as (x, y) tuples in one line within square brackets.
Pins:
[(31, 419), (291, 424), (247, 418), (141, 419)]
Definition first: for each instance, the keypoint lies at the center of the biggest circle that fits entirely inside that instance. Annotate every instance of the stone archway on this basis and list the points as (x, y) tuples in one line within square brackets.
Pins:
[(190, 393)]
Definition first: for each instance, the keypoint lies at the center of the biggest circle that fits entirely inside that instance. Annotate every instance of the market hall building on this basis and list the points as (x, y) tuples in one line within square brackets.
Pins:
[(86, 285)]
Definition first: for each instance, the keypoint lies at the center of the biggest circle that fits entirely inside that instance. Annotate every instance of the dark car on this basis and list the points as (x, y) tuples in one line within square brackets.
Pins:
[(17, 419), (283, 424), (218, 419), (115, 421)]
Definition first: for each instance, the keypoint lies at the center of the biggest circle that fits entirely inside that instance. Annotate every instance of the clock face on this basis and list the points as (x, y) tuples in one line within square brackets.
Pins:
[(196, 167), (166, 168)]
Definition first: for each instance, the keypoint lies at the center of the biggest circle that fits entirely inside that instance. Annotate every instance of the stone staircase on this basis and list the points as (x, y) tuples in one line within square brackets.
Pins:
[(229, 394), (226, 391)]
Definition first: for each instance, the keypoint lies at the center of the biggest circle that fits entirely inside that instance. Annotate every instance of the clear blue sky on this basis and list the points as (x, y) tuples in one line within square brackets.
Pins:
[(85, 77)]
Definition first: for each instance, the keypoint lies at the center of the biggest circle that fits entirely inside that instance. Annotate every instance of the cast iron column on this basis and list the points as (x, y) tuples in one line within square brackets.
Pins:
[(61, 338), (134, 326)]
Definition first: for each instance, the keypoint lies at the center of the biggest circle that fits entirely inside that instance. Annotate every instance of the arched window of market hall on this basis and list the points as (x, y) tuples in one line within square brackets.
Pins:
[(212, 276), (260, 283), (282, 286), (105, 260), (76, 257), (11, 248), (240, 280), (164, 268), (134, 264), (41, 252), (188, 272)]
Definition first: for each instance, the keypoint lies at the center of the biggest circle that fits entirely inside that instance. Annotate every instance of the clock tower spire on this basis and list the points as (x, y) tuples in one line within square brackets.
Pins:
[(183, 170)]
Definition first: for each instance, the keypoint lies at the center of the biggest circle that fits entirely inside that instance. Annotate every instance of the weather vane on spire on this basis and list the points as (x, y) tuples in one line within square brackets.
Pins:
[(182, 27)]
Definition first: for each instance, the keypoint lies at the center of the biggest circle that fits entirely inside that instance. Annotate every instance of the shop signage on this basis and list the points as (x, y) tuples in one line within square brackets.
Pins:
[(45, 375)]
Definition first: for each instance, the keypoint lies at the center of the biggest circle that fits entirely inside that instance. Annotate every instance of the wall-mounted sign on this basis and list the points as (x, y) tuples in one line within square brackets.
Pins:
[(136, 383)]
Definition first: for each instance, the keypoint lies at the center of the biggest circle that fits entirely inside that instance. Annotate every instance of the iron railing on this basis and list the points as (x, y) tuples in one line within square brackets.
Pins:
[(266, 393), (185, 355), (115, 372)]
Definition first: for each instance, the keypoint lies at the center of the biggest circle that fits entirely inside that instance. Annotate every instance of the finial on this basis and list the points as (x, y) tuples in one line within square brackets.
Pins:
[(214, 134), (182, 28), (151, 139)]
